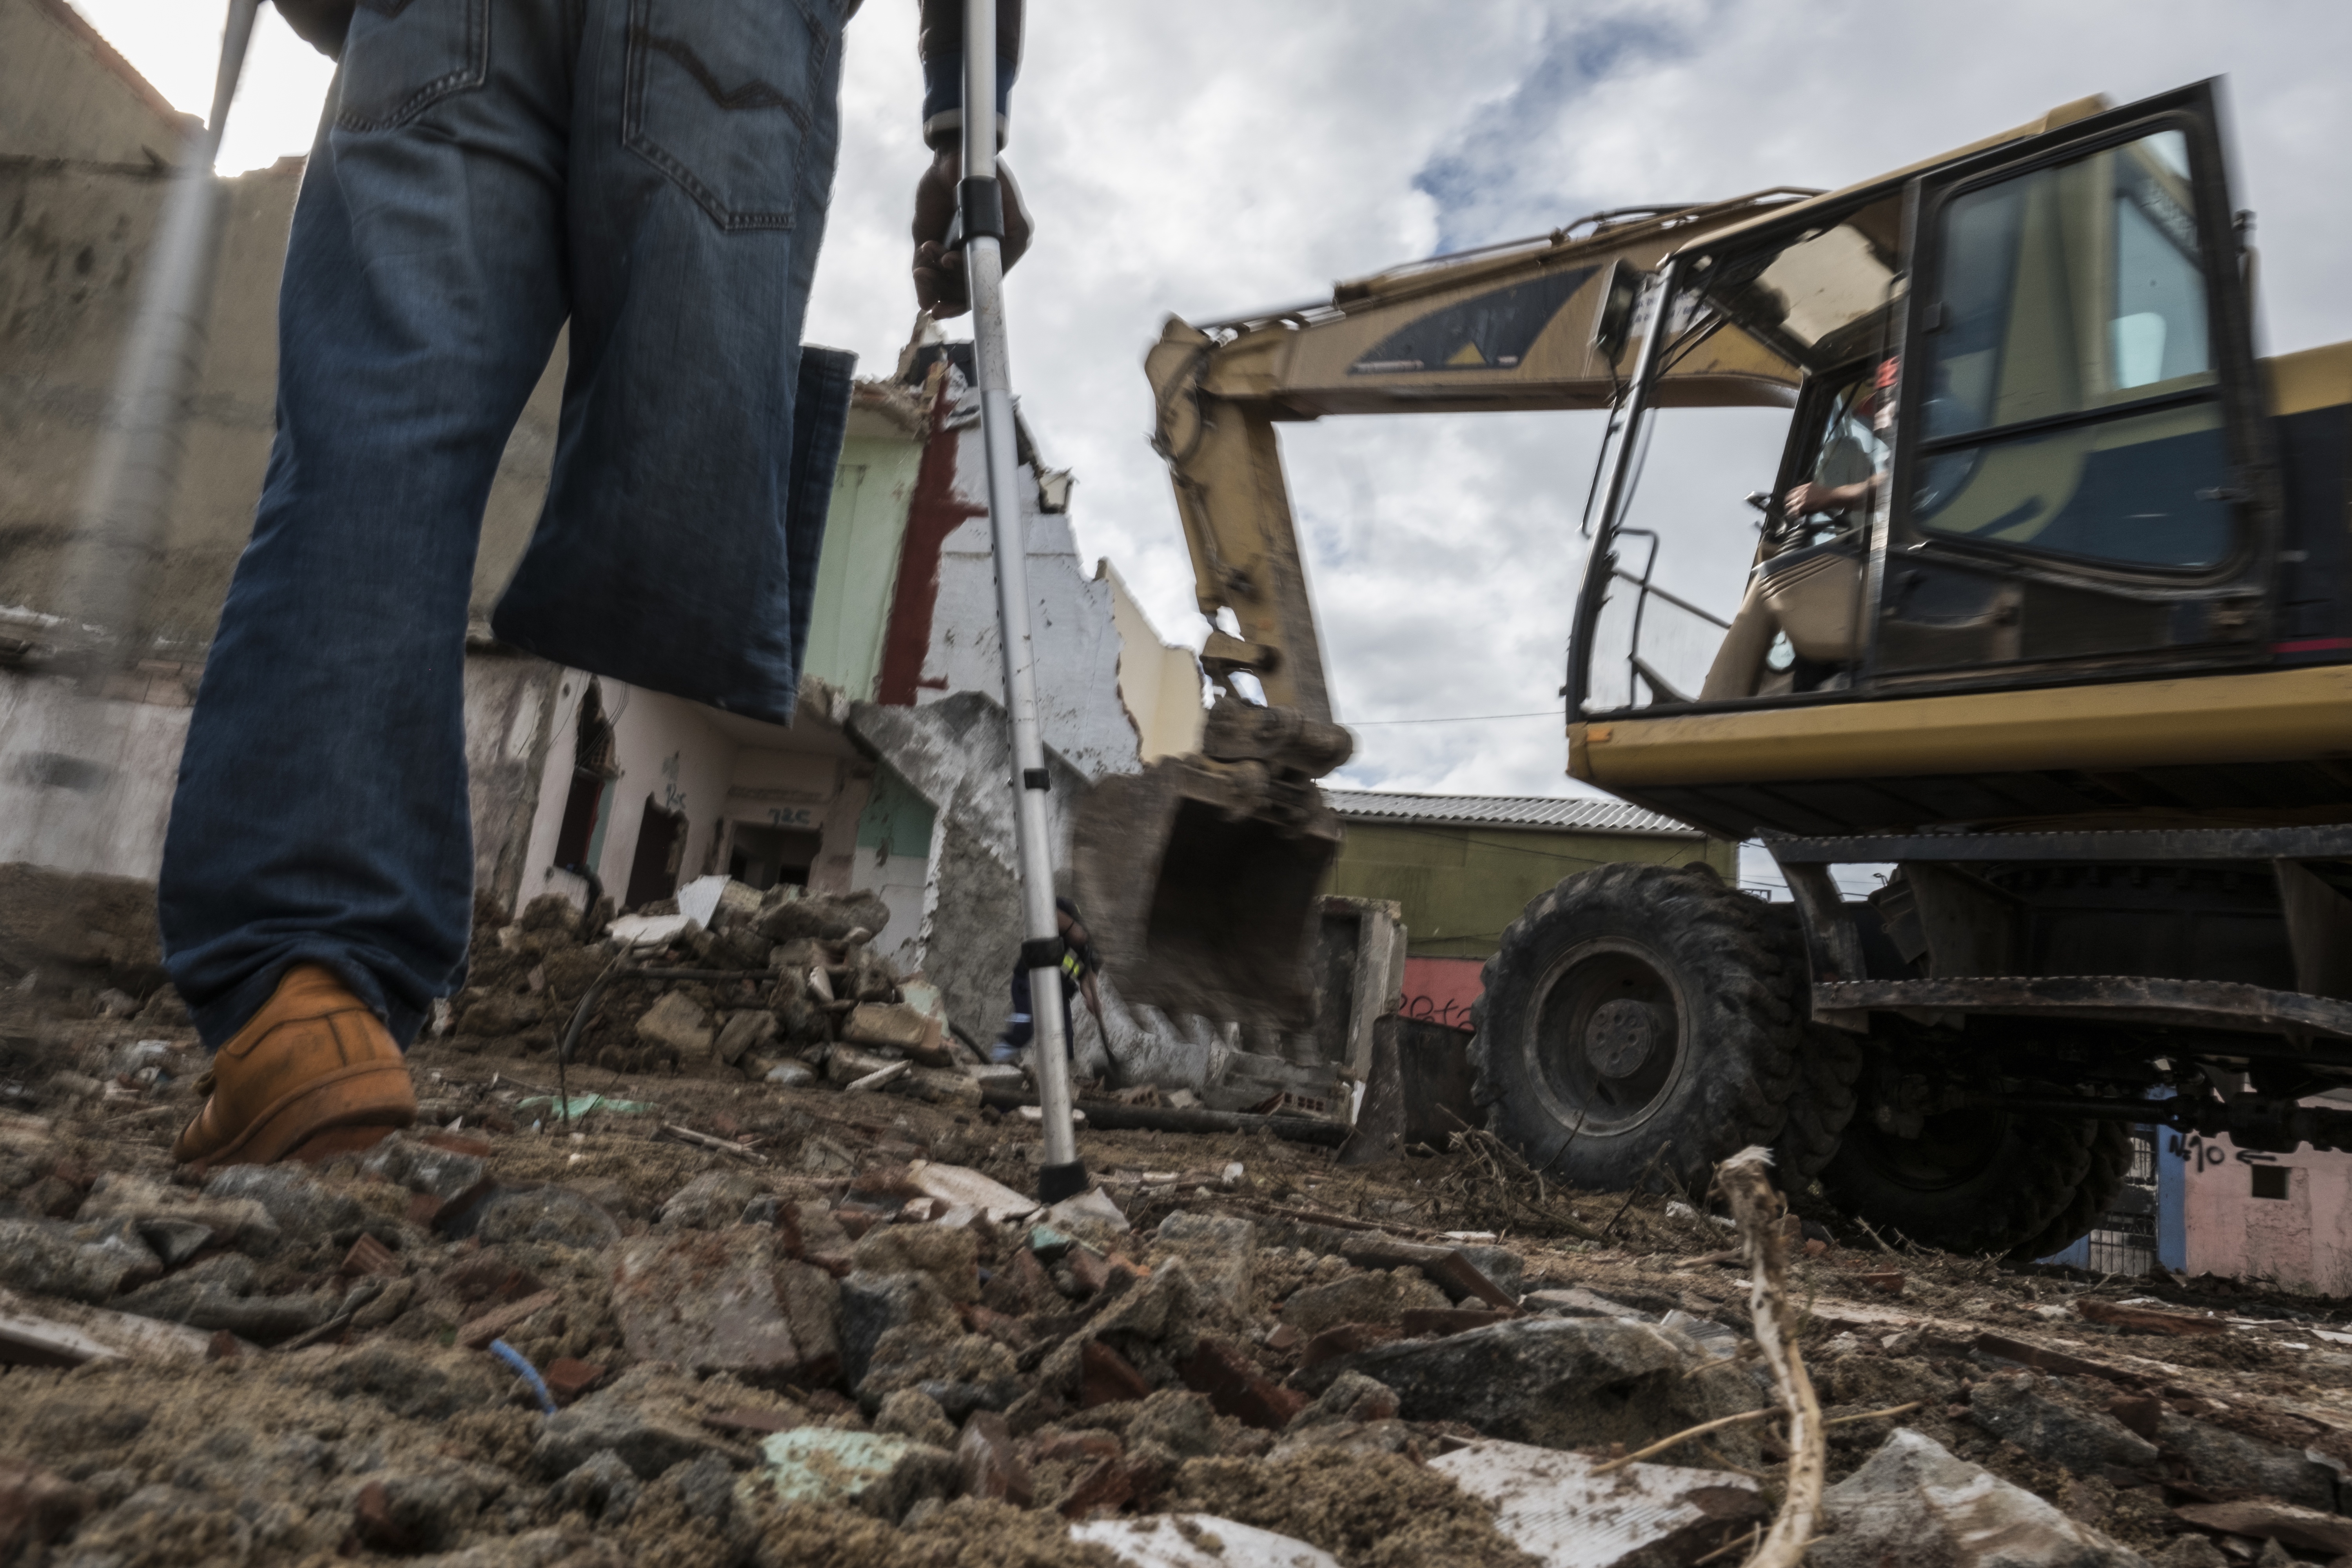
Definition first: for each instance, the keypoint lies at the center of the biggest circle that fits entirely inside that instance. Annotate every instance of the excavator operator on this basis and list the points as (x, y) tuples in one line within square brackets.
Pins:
[(1803, 591)]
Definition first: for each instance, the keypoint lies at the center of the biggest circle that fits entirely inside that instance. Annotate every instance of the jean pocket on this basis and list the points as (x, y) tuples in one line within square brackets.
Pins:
[(721, 98), (401, 57)]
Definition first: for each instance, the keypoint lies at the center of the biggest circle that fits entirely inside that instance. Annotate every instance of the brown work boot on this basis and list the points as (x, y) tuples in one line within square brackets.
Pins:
[(315, 1058)]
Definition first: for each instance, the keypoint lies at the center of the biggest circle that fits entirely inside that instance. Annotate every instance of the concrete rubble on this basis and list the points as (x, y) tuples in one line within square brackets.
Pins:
[(769, 1321)]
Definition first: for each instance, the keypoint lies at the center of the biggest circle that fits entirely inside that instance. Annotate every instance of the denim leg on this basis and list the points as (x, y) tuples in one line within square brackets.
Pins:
[(669, 550), (321, 808)]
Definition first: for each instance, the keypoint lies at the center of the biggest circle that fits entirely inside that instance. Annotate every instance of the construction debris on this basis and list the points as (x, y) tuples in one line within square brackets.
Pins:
[(779, 1322)]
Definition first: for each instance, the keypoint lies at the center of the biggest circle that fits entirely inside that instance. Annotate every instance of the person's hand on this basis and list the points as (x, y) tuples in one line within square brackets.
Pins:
[(1833, 498), (939, 272)]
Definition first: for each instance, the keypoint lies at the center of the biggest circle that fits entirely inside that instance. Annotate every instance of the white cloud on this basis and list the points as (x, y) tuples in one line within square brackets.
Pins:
[(1233, 153)]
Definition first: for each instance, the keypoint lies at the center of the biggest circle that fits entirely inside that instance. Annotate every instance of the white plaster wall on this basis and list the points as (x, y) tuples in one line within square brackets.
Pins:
[(1159, 681), (908, 888), (668, 750), (2303, 1242), (115, 828), (1072, 623)]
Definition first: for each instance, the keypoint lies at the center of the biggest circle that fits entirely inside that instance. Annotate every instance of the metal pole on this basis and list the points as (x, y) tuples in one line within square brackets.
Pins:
[(103, 592), (981, 202)]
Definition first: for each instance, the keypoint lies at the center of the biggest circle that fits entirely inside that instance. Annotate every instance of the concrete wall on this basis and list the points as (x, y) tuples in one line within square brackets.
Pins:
[(2300, 1242), (510, 705), (955, 755), (56, 810), (1158, 682), (1462, 885), (898, 835), (1074, 632), (65, 93)]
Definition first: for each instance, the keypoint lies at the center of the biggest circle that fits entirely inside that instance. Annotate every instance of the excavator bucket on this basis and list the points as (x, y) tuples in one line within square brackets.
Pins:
[(1199, 886)]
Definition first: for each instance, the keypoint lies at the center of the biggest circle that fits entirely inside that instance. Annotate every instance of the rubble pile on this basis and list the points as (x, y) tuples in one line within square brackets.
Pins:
[(688, 1309)]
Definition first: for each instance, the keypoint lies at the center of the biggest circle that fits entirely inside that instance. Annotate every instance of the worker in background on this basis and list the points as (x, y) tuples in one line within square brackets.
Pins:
[(1080, 963), (651, 176)]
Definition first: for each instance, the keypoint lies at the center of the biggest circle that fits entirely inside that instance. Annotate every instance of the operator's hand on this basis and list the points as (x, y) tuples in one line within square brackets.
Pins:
[(939, 271), (1836, 499)]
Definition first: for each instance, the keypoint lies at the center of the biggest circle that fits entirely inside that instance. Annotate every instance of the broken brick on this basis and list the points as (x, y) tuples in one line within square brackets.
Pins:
[(1105, 1377), (988, 1464), (1088, 1268), (1110, 1485), (477, 1334), (2141, 1319), (569, 1377), (372, 1520), (422, 1208), (224, 1346), (1237, 1388), (37, 1507), (369, 1256), (2139, 1413), (1886, 1281)]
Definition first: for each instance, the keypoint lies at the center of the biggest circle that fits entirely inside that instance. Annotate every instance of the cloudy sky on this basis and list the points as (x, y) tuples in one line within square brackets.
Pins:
[(1223, 155)]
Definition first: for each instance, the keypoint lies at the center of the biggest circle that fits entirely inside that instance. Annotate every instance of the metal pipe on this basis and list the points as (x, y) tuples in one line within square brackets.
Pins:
[(1600, 565), (1063, 1175)]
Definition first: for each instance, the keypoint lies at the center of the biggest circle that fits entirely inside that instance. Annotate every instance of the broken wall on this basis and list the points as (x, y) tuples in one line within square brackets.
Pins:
[(955, 754), (1071, 625), (70, 95)]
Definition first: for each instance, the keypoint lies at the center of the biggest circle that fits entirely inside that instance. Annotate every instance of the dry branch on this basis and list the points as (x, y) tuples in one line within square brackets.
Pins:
[(1747, 1185)]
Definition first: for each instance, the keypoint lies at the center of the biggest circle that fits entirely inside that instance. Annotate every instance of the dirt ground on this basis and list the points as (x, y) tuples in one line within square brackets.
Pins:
[(388, 1437)]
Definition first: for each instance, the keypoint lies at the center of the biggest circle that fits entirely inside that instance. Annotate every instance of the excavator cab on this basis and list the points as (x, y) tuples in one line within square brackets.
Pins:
[(2034, 365)]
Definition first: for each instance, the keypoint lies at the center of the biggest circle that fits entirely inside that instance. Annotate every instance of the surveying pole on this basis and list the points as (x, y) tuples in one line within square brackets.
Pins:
[(980, 207)]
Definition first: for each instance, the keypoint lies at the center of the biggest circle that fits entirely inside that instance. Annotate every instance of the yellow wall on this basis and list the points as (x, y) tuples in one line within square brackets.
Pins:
[(1462, 884)]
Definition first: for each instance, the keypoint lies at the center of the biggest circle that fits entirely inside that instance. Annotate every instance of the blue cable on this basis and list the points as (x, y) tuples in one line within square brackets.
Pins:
[(521, 1363)]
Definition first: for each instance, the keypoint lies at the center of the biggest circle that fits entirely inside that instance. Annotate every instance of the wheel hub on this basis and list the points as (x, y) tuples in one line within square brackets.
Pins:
[(1622, 1038)]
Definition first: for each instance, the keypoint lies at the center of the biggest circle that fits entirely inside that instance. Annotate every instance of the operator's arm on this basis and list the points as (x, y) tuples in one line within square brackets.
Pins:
[(939, 272), (1838, 499)]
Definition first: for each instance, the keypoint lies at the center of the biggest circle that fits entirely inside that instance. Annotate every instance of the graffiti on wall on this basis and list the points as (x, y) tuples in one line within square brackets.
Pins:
[(2200, 1152)]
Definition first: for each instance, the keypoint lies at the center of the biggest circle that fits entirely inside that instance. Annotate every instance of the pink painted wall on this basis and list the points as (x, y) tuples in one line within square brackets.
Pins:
[(2302, 1241), (1442, 989)]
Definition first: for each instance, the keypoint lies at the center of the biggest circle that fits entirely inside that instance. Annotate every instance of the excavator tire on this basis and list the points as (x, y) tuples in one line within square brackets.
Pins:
[(1828, 1061), (1638, 1021), (2111, 1158), (1821, 1105), (1974, 1180)]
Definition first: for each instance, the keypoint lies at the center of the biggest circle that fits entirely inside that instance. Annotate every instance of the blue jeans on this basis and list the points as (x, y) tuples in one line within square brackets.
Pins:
[(657, 173)]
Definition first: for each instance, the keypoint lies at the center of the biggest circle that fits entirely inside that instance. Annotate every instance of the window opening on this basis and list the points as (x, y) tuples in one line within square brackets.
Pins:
[(588, 802), (2070, 402), (2270, 1181)]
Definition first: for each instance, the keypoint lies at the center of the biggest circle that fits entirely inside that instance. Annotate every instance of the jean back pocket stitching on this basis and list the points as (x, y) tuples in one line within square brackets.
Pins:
[(643, 41), (475, 72)]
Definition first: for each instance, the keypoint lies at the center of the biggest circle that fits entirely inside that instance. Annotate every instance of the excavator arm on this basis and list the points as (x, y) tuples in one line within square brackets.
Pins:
[(1551, 322), (1199, 873)]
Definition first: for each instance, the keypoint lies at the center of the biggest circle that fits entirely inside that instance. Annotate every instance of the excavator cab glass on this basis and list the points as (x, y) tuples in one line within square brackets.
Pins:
[(2027, 442)]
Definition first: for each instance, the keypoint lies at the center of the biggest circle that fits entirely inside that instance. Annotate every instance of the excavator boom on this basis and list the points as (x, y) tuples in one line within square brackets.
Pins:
[(1198, 874)]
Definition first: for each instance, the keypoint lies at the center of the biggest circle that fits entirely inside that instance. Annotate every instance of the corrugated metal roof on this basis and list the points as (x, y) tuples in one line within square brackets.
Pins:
[(1583, 816)]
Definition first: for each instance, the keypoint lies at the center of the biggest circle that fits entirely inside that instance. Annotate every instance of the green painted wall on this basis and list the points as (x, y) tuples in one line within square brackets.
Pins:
[(895, 818), (859, 569), (1460, 885)]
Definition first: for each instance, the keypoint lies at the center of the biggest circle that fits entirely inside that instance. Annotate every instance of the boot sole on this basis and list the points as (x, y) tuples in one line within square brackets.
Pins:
[(294, 1118)]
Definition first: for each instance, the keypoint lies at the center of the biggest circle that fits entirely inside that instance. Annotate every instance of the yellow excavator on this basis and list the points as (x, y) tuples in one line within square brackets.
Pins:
[(2048, 609)]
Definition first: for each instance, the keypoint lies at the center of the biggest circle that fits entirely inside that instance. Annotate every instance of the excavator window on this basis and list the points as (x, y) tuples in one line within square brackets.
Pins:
[(2071, 403)]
